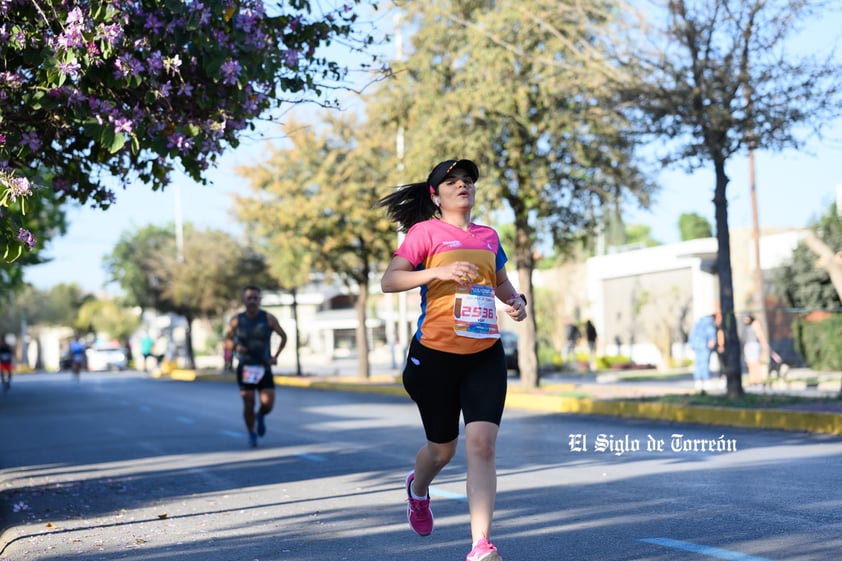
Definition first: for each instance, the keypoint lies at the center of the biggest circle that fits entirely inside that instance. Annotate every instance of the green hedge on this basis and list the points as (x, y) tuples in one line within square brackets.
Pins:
[(820, 342)]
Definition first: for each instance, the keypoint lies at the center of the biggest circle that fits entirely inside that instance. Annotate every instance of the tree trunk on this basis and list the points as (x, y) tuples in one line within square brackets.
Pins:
[(294, 293), (527, 340), (363, 368), (731, 355)]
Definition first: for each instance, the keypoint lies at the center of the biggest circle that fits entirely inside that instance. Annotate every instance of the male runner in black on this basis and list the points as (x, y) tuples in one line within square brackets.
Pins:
[(249, 337)]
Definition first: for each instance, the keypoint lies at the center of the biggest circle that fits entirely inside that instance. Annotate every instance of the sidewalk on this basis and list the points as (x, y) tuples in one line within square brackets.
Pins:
[(617, 394)]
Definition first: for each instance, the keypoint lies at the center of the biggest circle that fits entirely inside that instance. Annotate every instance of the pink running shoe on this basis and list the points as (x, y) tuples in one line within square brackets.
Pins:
[(484, 551), (418, 510)]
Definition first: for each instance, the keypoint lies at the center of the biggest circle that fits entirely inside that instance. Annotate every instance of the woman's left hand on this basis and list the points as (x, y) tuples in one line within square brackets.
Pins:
[(517, 308)]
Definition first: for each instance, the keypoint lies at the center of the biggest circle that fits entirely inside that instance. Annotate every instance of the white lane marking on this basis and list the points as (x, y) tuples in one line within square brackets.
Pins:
[(714, 552), (311, 457), (436, 492)]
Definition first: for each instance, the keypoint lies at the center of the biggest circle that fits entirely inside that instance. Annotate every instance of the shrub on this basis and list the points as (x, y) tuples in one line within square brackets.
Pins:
[(818, 342)]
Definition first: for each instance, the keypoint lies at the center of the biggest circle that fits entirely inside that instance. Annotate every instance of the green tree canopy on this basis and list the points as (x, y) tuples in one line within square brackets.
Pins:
[(803, 282), (640, 235), (57, 306), (202, 280), (312, 208), (108, 317), (693, 226)]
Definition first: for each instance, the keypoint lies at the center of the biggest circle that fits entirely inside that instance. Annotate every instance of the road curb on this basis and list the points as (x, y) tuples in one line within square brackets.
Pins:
[(772, 419)]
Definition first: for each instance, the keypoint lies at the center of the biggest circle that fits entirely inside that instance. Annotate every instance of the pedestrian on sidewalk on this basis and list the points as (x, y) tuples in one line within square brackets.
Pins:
[(455, 364), (571, 339), (591, 336), (703, 342), (755, 342), (249, 337)]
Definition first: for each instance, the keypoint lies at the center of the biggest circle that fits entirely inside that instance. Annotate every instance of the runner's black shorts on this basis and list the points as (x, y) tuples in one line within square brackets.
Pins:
[(443, 385), (265, 383)]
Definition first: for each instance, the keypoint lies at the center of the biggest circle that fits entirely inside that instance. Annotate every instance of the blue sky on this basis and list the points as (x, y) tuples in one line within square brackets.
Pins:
[(793, 188)]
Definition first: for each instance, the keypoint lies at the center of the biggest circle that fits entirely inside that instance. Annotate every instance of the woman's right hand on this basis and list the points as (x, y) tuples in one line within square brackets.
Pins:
[(462, 272)]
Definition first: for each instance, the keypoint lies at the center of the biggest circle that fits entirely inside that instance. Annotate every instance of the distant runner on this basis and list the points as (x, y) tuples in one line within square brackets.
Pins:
[(6, 364), (249, 338), (77, 356)]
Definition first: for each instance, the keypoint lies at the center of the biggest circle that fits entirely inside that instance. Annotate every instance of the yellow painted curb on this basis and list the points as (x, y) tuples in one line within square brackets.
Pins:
[(385, 387), (776, 419), (804, 421), (183, 375)]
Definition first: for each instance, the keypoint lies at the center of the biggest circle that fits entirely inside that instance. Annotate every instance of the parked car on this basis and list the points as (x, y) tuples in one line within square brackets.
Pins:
[(509, 340), (106, 357)]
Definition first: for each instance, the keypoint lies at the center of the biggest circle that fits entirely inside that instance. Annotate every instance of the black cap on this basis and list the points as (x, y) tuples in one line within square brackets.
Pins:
[(443, 170)]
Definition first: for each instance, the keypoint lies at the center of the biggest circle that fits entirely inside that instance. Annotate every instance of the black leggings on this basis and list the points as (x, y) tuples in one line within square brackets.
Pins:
[(445, 384)]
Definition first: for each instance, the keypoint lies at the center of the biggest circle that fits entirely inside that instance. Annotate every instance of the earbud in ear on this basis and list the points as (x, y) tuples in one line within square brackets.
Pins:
[(436, 200)]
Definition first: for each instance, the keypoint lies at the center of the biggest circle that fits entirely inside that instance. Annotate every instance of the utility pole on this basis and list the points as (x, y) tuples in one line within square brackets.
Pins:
[(760, 297), (403, 325), (179, 227)]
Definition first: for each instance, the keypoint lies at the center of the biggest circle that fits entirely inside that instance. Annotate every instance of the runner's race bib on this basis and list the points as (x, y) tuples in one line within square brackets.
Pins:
[(253, 373), (475, 313)]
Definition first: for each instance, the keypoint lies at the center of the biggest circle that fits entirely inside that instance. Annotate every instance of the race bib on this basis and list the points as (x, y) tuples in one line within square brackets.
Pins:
[(253, 373), (475, 313)]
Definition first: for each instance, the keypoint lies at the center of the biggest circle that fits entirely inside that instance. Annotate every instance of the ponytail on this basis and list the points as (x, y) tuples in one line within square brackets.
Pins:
[(409, 205)]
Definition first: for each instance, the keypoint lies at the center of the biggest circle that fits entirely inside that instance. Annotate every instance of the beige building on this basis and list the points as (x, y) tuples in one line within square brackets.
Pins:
[(644, 302)]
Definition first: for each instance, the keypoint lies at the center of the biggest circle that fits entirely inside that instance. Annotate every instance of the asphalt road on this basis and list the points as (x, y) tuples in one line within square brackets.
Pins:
[(121, 466)]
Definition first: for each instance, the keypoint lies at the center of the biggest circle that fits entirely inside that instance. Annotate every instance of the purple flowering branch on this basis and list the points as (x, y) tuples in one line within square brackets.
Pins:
[(130, 89)]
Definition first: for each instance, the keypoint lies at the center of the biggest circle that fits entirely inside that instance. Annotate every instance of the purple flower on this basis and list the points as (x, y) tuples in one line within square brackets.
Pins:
[(76, 98), (20, 187), (185, 90), (72, 37), (155, 62), (31, 140), (70, 68), (75, 16), (61, 184), (153, 24), (121, 124), (110, 33), (28, 238), (291, 56), (126, 66), (178, 140), (231, 70)]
